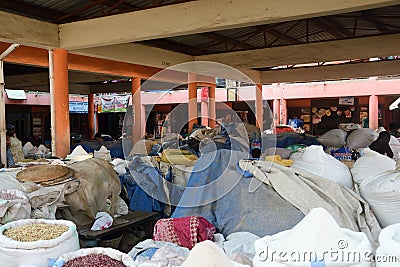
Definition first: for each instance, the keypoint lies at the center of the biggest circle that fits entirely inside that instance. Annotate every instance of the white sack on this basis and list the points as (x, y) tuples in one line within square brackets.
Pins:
[(334, 137), (112, 253), (207, 253), (38, 253), (389, 250), (382, 192), (316, 161), (370, 165), (13, 210), (361, 138), (316, 234), (240, 244)]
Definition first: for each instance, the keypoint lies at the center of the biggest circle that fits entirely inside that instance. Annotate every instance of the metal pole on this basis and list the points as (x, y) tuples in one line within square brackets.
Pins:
[(52, 107), (3, 136)]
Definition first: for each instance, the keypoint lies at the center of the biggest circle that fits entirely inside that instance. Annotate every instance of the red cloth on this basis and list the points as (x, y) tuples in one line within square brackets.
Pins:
[(186, 231)]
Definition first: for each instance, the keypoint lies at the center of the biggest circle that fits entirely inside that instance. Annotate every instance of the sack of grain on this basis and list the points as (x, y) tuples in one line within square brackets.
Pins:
[(334, 138), (388, 251), (361, 138), (23, 242), (14, 205), (94, 257)]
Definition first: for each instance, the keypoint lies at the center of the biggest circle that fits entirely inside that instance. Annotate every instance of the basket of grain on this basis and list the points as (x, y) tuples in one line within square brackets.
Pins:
[(99, 257), (34, 242)]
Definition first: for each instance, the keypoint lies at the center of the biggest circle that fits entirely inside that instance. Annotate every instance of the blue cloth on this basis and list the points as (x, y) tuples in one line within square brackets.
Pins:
[(287, 139), (228, 204), (115, 147), (10, 158)]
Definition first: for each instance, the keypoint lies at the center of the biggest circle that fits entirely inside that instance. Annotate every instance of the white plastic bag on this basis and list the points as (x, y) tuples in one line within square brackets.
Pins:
[(14, 209), (103, 221), (382, 192), (371, 164), (112, 253), (313, 239), (316, 161), (388, 252), (38, 253), (334, 138)]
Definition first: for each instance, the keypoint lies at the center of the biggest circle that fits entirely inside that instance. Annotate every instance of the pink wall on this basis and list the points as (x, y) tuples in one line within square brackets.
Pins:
[(41, 99)]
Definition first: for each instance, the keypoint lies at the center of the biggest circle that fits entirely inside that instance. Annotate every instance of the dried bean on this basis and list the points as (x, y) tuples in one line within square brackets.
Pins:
[(94, 260), (35, 232), (8, 196)]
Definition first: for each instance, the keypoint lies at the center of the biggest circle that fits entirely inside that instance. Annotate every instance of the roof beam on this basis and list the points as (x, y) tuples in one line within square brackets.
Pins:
[(332, 72), (210, 15), (136, 54), (376, 46), (23, 30), (174, 46)]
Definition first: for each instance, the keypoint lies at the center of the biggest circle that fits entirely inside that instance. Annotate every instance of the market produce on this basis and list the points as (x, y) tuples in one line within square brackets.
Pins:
[(35, 232), (94, 260)]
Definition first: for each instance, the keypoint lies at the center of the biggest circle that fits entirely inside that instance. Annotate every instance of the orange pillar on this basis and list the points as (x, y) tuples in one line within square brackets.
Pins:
[(136, 110), (91, 116), (276, 111), (373, 112), (259, 108), (211, 106), (192, 103), (61, 103), (283, 112)]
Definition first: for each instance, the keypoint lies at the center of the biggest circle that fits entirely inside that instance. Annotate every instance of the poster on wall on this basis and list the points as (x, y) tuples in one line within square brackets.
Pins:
[(107, 104), (121, 102), (346, 100)]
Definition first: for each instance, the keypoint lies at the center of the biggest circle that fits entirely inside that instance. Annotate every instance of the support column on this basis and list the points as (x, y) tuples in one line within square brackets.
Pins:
[(276, 111), (2, 118), (60, 100), (136, 110), (373, 112), (204, 113), (283, 112), (259, 107), (91, 130), (211, 106), (192, 103)]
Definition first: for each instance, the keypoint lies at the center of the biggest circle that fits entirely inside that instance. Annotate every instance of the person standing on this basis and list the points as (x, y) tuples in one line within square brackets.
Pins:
[(15, 144)]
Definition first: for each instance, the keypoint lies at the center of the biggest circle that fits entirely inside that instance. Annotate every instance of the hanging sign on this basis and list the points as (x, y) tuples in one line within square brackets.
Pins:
[(204, 94), (107, 104), (347, 100), (121, 102)]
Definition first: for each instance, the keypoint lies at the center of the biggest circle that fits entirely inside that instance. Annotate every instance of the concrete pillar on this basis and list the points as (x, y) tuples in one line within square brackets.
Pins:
[(136, 110), (259, 107), (211, 106), (91, 130), (276, 111), (373, 112), (283, 112), (192, 102), (204, 113), (3, 135), (61, 103)]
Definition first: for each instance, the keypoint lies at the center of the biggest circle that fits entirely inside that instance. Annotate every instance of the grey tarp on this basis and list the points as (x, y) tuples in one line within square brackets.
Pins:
[(307, 191)]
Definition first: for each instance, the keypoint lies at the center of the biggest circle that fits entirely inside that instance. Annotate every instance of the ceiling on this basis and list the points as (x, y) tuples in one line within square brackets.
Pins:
[(159, 33)]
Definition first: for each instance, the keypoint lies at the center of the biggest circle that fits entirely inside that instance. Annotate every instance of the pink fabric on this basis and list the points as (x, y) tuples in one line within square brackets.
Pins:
[(185, 232)]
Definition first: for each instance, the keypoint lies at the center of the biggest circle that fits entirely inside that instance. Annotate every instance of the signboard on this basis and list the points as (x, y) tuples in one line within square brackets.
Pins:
[(121, 102), (346, 101), (78, 107), (16, 94), (113, 103)]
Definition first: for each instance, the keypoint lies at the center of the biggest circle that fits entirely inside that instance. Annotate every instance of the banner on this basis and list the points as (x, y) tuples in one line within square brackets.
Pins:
[(107, 104), (121, 102), (116, 103), (78, 107)]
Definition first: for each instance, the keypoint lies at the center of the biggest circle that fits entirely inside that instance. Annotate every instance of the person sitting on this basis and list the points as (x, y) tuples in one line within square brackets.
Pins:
[(381, 145)]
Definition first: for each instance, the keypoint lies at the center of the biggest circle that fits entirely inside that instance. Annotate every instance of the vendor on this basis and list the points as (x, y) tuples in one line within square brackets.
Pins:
[(381, 145), (15, 144)]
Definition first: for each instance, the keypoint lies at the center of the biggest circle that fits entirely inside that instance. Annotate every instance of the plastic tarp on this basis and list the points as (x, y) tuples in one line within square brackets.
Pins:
[(115, 147), (287, 139), (219, 193)]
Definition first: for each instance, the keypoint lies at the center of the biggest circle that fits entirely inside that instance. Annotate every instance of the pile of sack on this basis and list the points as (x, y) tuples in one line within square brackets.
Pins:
[(359, 138)]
